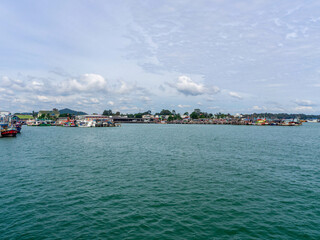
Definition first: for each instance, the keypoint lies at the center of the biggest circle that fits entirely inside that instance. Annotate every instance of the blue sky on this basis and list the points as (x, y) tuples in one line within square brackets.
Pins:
[(129, 56)]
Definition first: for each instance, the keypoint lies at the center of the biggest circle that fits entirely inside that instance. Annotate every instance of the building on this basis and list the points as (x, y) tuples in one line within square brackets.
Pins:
[(54, 113), (197, 110), (5, 113), (24, 117), (4, 116), (93, 117)]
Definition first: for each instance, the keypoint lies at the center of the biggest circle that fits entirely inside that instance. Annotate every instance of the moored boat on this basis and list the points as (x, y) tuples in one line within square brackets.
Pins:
[(9, 132), (7, 125)]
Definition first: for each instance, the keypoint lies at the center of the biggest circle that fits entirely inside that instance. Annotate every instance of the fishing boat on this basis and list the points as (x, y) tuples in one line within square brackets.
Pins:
[(289, 122), (85, 123), (7, 127), (7, 131), (39, 123), (312, 120)]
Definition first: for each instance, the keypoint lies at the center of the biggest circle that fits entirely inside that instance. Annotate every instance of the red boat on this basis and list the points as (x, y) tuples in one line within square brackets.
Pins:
[(9, 132), (7, 125)]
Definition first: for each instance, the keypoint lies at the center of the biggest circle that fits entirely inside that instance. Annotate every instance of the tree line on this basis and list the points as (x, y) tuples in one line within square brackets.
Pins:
[(197, 114)]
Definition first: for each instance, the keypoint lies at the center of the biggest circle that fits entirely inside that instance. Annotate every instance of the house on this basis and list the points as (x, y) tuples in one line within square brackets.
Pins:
[(185, 118), (148, 118), (54, 113), (22, 117)]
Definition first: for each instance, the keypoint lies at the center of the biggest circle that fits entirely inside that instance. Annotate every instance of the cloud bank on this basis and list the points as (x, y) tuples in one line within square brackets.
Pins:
[(188, 87)]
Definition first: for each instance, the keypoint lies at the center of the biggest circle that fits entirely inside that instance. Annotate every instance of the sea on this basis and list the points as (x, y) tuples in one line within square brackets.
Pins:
[(147, 181)]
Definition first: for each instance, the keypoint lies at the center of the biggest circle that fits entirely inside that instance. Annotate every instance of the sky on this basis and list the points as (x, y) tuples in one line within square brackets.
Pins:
[(131, 56)]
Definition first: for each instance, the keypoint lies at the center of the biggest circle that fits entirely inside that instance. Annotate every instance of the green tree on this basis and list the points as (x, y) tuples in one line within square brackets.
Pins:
[(177, 117), (165, 112), (147, 112), (138, 115), (186, 113), (170, 118), (64, 115), (194, 115), (107, 112)]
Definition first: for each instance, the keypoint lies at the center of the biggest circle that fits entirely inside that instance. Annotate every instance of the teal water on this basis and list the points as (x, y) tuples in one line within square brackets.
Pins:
[(161, 182)]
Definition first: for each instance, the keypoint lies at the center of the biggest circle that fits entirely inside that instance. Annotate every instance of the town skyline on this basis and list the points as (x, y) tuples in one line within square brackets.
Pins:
[(166, 112)]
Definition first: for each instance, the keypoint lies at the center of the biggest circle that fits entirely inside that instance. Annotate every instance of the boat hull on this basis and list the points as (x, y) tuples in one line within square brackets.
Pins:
[(9, 133)]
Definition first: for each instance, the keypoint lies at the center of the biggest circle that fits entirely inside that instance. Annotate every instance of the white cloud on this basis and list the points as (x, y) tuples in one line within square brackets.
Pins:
[(127, 89), (145, 99), (6, 81), (21, 100), (210, 99), (256, 108), (124, 88), (37, 84), (183, 106), (129, 108), (84, 90), (291, 35), (94, 100), (85, 83), (213, 89), (188, 87), (235, 95), (43, 98), (304, 108), (275, 85), (125, 100), (304, 102)]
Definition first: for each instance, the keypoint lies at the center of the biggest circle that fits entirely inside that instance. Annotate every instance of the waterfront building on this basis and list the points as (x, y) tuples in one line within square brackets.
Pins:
[(54, 113), (22, 117), (148, 118)]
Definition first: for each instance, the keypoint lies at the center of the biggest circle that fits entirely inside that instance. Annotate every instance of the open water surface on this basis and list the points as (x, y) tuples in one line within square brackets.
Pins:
[(161, 182)]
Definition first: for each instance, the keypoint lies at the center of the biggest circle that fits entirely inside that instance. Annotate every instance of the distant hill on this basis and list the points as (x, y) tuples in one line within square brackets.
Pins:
[(71, 112)]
